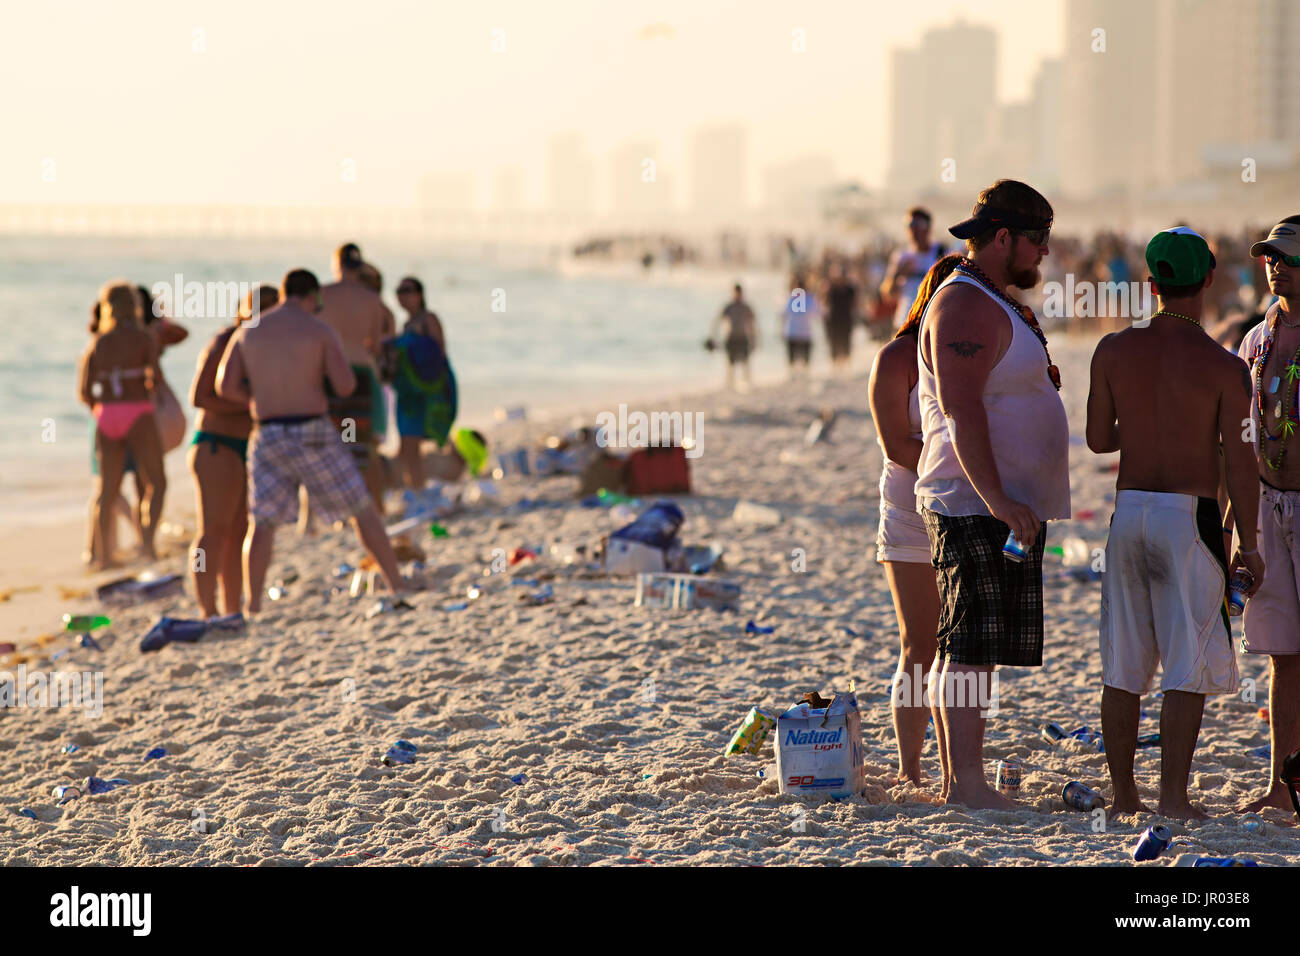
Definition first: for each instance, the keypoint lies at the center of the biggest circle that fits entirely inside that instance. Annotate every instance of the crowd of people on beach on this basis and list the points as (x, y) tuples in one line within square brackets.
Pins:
[(290, 404), (966, 403), (974, 434), (871, 291)]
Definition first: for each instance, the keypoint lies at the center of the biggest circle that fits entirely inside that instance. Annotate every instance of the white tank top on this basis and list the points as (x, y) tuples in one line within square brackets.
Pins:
[(1028, 430), (897, 483)]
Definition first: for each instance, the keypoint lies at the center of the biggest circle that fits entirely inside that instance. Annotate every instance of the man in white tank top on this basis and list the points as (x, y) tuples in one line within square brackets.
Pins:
[(994, 459)]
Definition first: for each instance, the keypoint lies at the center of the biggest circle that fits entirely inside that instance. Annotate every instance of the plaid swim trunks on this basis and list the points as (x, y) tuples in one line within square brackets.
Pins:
[(282, 456), (990, 608)]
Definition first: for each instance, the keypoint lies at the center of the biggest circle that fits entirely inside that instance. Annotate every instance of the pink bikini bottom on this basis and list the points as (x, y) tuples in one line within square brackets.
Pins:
[(116, 418)]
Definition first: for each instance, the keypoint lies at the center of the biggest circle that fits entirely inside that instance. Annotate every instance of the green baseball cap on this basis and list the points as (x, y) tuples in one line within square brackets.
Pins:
[(1179, 256)]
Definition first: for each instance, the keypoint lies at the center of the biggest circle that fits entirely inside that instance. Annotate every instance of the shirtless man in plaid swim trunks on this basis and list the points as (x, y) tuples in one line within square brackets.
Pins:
[(279, 366), (994, 459)]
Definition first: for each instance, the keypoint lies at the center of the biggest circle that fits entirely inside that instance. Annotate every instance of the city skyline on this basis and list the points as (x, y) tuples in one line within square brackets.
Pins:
[(248, 104)]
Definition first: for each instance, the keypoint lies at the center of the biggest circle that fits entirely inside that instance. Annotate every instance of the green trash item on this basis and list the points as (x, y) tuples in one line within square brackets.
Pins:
[(84, 622), (437, 530)]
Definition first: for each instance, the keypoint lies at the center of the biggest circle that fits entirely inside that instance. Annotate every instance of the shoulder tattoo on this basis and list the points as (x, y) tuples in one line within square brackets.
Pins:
[(966, 349)]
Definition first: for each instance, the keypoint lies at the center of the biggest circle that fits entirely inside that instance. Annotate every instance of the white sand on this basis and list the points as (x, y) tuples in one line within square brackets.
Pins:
[(285, 769)]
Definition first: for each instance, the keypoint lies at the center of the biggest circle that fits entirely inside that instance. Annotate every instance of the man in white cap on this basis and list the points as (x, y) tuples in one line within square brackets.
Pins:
[(1272, 617)]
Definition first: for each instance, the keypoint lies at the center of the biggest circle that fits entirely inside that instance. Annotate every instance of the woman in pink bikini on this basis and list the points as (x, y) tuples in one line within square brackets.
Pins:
[(116, 377)]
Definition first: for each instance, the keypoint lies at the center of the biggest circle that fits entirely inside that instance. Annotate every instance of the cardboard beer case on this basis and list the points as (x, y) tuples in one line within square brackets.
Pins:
[(686, 591), (819, 747)]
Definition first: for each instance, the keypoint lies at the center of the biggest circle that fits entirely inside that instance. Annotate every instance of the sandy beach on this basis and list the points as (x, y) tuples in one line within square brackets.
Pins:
[(586, 730)]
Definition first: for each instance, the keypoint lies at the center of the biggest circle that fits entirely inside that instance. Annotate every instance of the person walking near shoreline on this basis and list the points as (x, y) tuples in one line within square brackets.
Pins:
[(739, 333)]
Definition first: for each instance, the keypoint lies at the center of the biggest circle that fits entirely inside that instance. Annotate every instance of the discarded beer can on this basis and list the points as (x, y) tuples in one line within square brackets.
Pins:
[(753, 731), (1052, 732), (1154, 842), (1008, 776), (1077, 796)]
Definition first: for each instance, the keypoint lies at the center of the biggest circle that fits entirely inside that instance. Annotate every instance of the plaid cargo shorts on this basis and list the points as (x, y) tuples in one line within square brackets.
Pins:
[(282, 456), (990, 608)]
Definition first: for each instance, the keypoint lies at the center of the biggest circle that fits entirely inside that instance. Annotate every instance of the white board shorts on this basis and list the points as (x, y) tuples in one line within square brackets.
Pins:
[(1272, 617), (901, 536), (1163, 596)]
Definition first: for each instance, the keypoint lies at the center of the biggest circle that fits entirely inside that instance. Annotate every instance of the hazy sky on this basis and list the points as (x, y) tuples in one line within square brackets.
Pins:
[(115, 103)]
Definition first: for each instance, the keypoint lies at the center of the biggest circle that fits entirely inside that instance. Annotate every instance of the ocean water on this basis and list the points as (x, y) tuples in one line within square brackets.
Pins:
[(568, 336)]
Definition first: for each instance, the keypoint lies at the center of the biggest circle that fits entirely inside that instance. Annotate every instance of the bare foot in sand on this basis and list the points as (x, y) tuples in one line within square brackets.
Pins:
[(1275, 797), (1181, 811), (1128, 801), (982, 798), (1129, 806), (920, 781)]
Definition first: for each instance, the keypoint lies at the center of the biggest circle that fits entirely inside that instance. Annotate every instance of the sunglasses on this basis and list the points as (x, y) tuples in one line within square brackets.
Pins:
[(1037, 236), (1274, 258)]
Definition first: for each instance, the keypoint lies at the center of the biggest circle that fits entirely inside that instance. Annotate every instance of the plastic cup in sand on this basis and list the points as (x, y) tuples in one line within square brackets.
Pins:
[(402, 752), (156, 754), (1252, 823), (27, 812), (1075, 552), (70, 748), (66, 793), (752, 628)]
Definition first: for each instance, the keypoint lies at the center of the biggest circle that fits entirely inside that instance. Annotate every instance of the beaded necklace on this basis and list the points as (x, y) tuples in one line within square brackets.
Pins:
[(1287, 409), (1026, 314), (1179, 315)]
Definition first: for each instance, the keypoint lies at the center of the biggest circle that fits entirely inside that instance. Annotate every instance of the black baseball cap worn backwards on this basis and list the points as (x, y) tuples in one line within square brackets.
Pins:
[(988, 217)]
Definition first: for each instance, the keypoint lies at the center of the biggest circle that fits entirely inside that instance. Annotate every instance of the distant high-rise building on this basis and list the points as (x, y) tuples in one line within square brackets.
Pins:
[(718, 171), (508, 190), (570, 186), (1045, 121), (637, 188), (448, 192), (943, 101), (1108, 78), (1226, 80), (797, 185)]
